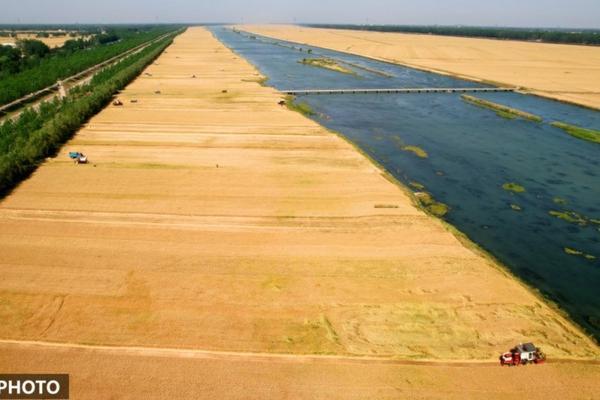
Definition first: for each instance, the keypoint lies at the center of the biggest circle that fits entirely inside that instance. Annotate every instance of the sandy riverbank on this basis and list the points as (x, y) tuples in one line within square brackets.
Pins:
[(562, 72)]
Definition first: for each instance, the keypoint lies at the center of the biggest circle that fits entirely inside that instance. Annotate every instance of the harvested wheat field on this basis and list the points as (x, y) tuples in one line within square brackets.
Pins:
[(564, 72), (214, 221)]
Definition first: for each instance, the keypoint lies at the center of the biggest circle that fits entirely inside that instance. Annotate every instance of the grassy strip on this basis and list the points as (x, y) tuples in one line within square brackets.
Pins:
[(327, 63), (26, 148), (501, 110), (591, 135), (302, 108)]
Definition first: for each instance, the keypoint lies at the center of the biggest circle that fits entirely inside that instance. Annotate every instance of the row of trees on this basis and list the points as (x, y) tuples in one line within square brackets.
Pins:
[(33, 66), (584, 36), (35, 135)]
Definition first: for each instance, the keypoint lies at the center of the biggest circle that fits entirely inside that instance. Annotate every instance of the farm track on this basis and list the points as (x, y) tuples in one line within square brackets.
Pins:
[(275, 357)]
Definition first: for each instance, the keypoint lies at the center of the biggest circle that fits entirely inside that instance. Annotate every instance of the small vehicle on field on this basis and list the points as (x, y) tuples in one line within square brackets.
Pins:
[(523, 354), (78, 158)]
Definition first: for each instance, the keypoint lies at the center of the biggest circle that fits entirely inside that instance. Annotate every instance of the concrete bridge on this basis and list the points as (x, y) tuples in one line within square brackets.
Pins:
[(399, 90)]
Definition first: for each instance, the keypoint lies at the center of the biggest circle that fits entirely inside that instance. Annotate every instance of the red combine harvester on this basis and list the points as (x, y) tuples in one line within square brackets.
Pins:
[(523, 354)]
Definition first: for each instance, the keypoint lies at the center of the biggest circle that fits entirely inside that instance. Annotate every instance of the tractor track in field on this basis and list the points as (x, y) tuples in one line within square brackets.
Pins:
[(260, 357)]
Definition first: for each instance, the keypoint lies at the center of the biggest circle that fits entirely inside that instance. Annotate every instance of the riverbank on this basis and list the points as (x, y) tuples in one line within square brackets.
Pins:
[(563, 72), (211, 218)]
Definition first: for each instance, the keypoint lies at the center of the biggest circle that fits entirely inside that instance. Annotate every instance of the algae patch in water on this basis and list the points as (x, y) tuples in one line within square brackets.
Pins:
[(574, 218), (569, 216), (435, 207), (416, 150), (513, 187), (559, 200), (574, 252), (327, 63), (591, 135), (417, 185)]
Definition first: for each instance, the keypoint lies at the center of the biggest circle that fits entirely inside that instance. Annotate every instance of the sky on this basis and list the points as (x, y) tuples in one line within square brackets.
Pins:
[(521, 13)]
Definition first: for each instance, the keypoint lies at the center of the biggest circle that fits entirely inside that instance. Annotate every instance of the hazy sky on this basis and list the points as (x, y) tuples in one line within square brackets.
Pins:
[(551, 13)]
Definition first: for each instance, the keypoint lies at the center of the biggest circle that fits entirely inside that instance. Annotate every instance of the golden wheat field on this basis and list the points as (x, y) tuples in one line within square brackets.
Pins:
[(218, 233)]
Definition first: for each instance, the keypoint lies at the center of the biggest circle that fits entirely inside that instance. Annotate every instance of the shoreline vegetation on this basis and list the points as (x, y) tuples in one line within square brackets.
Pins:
[(502, 110), (590, 135), (301, 107), (35, 135), (327, 63)]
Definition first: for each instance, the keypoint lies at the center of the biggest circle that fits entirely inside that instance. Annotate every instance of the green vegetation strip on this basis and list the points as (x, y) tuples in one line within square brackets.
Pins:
[(501, 110), (301, 107), (574, 252), (574, 218), (51, 69), (35, 135), (591, 135), (327, 63)]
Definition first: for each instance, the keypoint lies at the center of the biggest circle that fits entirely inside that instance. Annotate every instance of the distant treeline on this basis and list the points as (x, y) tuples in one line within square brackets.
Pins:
[(31, 66), (36, 134), (567, 36)]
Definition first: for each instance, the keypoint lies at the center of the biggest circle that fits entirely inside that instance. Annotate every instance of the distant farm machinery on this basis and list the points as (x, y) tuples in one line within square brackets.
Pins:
[(78, 158)]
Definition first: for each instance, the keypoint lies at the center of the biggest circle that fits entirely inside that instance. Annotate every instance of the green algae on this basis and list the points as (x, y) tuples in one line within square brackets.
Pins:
[(513, 187), (416, 150), (559, 200), (417, 185), (591, 135), (574, 252), (569, 216), (430, 204)]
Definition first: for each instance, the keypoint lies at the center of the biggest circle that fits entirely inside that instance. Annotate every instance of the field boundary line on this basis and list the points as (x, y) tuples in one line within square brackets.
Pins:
[(260, 357)]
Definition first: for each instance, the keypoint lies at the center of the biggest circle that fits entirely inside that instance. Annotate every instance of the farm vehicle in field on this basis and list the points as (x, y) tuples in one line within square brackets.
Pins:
[(523, 354)]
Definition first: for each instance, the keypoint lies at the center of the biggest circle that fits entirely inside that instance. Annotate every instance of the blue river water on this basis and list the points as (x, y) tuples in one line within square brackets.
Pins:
[(472, 152)]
